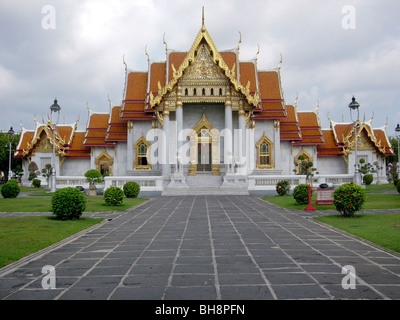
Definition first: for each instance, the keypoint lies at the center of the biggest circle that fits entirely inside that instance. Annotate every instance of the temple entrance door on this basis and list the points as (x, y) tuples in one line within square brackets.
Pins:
[(204, 157)]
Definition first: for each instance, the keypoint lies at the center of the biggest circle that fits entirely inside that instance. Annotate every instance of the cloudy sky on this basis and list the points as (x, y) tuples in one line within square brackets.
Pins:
[(73, 50)]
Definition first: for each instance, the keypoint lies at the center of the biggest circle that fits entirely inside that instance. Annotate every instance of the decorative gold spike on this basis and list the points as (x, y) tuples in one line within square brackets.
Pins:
[(166, 45), (233, 70), (173, 69), (147, 54), (240, 41), (203, 27)]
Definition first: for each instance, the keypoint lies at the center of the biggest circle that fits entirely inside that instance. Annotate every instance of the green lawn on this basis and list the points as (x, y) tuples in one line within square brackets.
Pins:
[(34, 204), (375, 200), (382, 229), (20, 236)]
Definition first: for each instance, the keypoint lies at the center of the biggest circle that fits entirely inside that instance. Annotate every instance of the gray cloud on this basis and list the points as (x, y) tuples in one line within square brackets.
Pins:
[(80, 61)]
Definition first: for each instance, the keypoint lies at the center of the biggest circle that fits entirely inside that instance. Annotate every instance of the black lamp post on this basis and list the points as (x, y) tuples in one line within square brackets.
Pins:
[(10, 139), (56, 109), (397, 130), (354, 105)]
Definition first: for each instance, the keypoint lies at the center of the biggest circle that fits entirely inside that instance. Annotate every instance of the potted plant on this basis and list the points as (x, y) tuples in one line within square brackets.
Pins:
[(92, 176)]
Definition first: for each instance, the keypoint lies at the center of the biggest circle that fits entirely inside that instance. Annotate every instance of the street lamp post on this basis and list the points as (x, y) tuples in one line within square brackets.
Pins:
[(354, 105), (56, 109), (398, 147), (10, 139)]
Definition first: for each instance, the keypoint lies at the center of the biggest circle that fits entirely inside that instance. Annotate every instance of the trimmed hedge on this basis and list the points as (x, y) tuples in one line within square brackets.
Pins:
[(349, 198), (114, 196), (368, 179), (283, 187), (68, 203), (10, 189), (300, 194), (131, 189)]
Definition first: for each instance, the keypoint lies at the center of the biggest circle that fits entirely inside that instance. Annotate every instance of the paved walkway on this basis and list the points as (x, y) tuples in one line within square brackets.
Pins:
[(207, 247)]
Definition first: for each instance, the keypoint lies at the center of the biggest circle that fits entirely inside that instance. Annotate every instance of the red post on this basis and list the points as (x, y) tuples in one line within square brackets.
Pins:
[(309, 207)]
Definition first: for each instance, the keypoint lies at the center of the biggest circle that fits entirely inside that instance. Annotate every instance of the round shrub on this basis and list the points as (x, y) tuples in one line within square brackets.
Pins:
[(114, 196), (10, 189), (282, 187), (300, 194), (349, 198), (131, 189), (398, 187), (368, 178), (36, 183), (68, 203)]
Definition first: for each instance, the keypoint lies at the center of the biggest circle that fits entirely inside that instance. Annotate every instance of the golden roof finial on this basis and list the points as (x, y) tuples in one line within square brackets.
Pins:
[(123, 60), (258, 52), (295, 100), (240, 41), (203, 27), (147, 54), (166, 45)]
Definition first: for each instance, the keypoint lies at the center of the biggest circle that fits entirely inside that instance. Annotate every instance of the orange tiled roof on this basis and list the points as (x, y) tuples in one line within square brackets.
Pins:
[(381, 136), (96, 130), (310, 129), (329, 148), (117, 128), (272, 103), (248, 73), (290, 127), (24, 142), (134, 104), (77, 149)]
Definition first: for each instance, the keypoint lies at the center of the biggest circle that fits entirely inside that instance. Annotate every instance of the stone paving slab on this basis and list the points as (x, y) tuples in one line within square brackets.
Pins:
[(206, 248)]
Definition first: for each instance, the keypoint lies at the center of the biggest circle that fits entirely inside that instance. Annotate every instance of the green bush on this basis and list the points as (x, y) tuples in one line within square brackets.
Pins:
[(114, 196), (282, 187), (36, 183), (368, 179), (93, 176), (10, 189), (300, 194), (398, 187), (349, 198), (131, 189), (68, 203)]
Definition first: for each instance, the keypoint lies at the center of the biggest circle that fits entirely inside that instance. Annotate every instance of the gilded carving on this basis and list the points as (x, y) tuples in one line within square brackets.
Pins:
[(203, 67)]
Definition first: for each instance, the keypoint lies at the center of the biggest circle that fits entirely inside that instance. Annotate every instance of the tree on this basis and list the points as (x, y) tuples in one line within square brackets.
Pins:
[(93, 176), (46, 172), (306, 168), (5, 153)]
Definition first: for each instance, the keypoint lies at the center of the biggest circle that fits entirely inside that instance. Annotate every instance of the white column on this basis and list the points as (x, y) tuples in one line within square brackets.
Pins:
[(130, 153), (165, 166), (242, 136), (228, 152), (179, 116)]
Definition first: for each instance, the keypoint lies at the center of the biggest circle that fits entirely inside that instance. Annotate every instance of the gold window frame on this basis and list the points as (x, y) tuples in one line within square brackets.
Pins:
[(138, 154), (269, 154)]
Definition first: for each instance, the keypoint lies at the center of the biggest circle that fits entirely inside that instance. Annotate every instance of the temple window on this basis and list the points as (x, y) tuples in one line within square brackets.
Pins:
[(203, 92), (212, 91), (220, 91), (194, 92), (141, 161), (186, 92), (104, 164), (264, 153)]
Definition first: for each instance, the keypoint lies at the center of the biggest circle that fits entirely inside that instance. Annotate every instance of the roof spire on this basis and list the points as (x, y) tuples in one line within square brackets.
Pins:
[(203, 28)]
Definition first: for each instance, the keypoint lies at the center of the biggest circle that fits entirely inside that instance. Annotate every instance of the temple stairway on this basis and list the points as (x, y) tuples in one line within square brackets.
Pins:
[(205, 184)]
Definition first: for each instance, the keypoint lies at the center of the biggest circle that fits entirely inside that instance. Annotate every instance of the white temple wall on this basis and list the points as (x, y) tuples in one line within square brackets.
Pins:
[(332, 165)]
